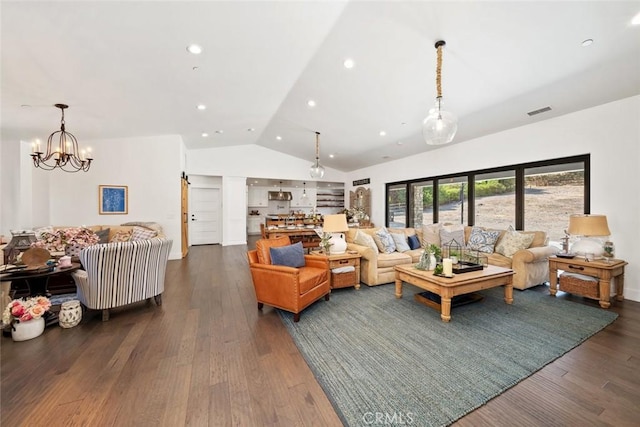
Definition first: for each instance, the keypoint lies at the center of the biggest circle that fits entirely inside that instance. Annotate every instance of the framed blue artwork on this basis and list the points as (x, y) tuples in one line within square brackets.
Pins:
[(113, 200)]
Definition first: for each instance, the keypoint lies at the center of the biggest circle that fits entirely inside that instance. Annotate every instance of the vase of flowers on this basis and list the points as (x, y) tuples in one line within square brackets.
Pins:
[(26, 317)]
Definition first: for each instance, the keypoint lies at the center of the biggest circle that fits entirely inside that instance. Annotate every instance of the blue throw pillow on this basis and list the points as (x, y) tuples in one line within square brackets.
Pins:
[(414, 243), (291, 256)]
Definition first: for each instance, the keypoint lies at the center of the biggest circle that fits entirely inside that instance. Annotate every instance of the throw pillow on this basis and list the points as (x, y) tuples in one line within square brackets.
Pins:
[(400, 241), (431, 235), (290, 256), (482, 240), (414, 242), (449, 233), (103, 235), (140, 233), (365, 240), (513, 241), (121, 236), (384, 241)]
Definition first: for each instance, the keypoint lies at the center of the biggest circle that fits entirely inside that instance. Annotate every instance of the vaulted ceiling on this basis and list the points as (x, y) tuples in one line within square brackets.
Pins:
[(124, 70)]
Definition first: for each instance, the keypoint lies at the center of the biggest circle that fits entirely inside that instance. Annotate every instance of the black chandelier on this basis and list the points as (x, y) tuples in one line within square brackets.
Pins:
[(66, 155)]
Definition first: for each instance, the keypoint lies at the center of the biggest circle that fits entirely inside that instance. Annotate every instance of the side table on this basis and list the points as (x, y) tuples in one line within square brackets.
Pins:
[(343, 260), (602, 270)]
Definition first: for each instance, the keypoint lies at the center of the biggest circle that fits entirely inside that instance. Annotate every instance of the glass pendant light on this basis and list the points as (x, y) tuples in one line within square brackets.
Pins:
[(317, 170), (440, 126)]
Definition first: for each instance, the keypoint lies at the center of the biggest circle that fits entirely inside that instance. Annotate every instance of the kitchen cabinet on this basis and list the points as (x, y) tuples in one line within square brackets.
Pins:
[(253, 224), (258, 197)]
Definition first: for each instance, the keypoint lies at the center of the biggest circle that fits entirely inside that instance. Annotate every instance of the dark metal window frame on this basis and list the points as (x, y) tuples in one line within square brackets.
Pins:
[(519, 170)]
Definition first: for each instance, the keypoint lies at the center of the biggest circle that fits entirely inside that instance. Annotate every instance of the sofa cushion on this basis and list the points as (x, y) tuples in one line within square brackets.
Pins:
[(365, 240), (414, 242), (449, 233), (513, 241), (311, 277), (482, 240), (400, 241), (290, 256), (103, 235), (120, 236), (431, 235), (394, 258), (384, 241), (141, 233), (499, 260)]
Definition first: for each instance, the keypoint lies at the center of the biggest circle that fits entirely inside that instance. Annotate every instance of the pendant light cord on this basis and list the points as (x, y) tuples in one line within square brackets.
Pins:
[(439, 45)]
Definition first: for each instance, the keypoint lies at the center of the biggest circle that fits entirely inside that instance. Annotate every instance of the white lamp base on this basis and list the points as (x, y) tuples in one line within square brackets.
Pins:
[(588, 245), (338, 244)]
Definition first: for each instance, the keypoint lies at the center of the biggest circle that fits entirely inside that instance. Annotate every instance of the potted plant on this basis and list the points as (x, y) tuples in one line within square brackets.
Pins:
[(325, 244), (25, 316)]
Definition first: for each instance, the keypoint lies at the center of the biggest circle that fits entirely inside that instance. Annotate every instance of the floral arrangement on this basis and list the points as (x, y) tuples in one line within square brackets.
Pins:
[(355, 214), (22, 310), (58, 240)]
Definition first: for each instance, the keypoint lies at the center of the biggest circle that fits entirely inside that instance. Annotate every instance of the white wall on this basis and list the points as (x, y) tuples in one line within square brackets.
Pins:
[(150, 167), (610, 133)]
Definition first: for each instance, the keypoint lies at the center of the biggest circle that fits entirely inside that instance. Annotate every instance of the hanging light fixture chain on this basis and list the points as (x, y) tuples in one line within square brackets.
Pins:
[(439, 45)]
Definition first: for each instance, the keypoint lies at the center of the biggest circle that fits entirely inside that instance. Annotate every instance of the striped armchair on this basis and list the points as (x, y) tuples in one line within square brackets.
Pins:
[(117, 274)]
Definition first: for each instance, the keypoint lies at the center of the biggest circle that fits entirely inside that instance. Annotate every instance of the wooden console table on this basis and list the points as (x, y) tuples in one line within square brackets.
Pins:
[(601, 269)]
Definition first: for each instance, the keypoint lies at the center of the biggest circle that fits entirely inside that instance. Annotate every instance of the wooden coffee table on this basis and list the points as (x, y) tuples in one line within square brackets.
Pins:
[(459, 284)]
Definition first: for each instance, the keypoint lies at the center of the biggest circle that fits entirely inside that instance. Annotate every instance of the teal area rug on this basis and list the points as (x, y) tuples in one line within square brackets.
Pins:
[(394, 360)]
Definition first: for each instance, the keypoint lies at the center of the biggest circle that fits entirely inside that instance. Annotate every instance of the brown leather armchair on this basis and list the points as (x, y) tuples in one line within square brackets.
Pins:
[(288, 288)]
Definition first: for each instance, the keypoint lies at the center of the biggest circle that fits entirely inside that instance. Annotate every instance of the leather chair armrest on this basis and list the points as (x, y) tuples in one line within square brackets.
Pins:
[(316, 261)]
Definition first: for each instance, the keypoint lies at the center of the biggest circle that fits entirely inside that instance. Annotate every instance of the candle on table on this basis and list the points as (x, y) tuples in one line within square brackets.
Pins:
[(447, 267)]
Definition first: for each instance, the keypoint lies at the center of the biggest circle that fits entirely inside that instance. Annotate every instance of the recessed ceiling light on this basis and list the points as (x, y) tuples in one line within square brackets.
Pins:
[(279, 138), (204, 134), (382, 133), (349, 63), (195, 68), (201, 107), (399, 142), (195, 49), (311, 103), (331, 156), (386, 157), (587, 42), (250, 130), (26, 106), (403, 123), (220, 131), (636, 20)]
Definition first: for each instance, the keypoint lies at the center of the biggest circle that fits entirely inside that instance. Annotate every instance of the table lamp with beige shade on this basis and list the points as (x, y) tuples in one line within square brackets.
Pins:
[(336, 225), (592, 231)]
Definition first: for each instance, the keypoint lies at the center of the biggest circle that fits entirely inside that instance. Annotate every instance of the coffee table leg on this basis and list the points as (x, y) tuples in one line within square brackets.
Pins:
[(445, 309), (398, 288), (508, 291)]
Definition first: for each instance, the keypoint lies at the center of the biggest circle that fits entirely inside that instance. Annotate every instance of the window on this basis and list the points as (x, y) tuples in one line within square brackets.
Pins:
[(551, 194), (531, 196), (495, 199), (452, 200), (397, 205)]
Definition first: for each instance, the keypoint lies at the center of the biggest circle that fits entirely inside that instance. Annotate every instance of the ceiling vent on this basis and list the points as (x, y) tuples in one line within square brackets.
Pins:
[(541, 110)]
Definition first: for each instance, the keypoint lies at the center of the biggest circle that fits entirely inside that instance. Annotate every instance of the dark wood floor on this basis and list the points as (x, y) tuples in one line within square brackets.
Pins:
[(209, 357)]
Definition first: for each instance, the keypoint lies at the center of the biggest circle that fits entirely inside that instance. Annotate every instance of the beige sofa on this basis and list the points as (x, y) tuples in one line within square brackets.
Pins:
[(530, 265)]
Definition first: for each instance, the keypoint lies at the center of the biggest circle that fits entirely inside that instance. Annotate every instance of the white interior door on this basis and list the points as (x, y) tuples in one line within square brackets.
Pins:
[(204, 218)]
